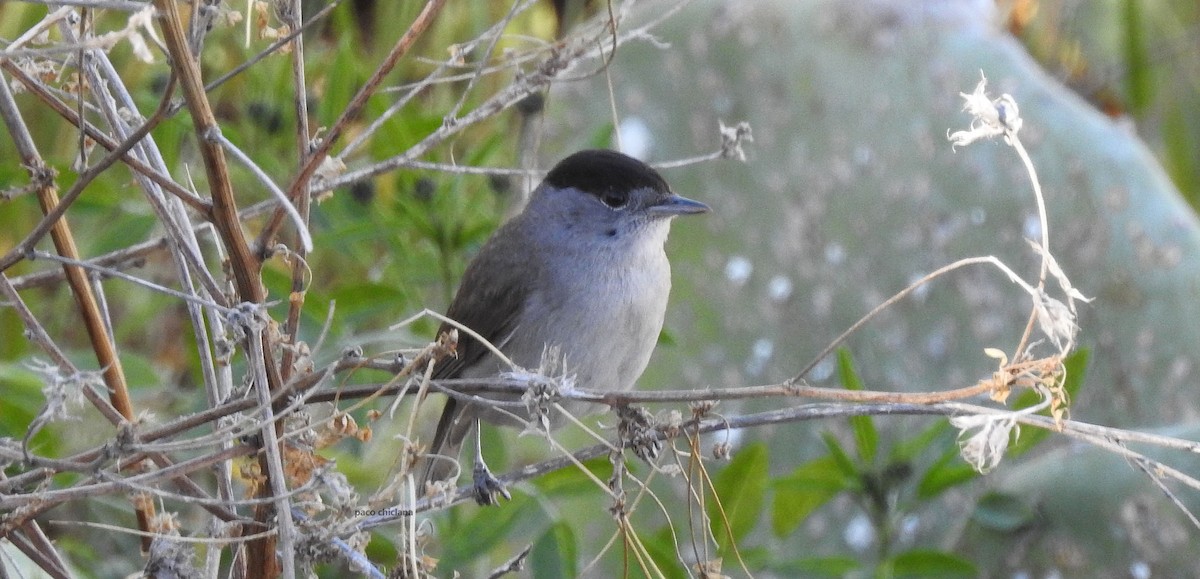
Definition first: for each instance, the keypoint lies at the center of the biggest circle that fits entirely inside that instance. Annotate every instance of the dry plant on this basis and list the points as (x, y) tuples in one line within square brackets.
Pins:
[(242, 485)]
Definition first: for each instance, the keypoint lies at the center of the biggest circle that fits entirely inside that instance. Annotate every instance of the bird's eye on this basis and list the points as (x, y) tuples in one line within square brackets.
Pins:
[(614, 200)]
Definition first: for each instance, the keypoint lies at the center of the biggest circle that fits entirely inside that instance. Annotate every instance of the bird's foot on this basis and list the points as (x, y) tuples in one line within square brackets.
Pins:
[(488, 488)]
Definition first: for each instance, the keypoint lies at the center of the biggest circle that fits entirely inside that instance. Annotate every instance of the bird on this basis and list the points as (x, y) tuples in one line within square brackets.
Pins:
[(581, 275)]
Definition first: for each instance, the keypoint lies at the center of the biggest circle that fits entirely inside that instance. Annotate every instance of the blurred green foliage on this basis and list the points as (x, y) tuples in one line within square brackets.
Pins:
[(1128, 58), (384, 248)]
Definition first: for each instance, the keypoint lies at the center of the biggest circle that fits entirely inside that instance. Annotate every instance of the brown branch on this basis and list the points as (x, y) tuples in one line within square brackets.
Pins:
[(291, 326), (245, 266), (32, 504), (119, 151), (33, 542), (165, 110), (224, 215), (467, 387), (815, 411), (300, 183), (77, 279)]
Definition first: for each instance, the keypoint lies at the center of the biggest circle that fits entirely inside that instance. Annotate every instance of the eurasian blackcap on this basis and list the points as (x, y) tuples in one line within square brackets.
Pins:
[(580, 274)]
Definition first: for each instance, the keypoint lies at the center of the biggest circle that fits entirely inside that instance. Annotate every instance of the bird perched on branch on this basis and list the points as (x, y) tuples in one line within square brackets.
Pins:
[(579, 275)]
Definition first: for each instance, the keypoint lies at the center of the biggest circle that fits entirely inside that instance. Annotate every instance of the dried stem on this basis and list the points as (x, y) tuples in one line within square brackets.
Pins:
[(64, 242), (300, 184)]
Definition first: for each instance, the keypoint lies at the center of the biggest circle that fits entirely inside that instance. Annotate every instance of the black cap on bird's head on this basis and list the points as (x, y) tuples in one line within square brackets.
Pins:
[(611, 177)]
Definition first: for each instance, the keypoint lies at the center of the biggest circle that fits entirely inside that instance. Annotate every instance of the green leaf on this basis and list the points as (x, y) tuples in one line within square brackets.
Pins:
[(1180, 143), (803, 491), (572, 482), (114, 238), (23, 399), (555, 553), (1138, 63), (484, 530), (663, 551), (846, 372), (1076, 365), (13, 344), (603, 137), (947, 472), (359, 302), (928, 563), (907, 450), (740, 490), (839, 456), (1002, 512), (866, 436)]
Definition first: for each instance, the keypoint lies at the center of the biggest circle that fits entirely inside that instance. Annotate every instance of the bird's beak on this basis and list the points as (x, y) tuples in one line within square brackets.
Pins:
[(675, 205)]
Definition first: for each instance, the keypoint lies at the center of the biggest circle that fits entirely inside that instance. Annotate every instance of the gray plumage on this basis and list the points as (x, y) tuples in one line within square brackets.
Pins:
[(581, 271)]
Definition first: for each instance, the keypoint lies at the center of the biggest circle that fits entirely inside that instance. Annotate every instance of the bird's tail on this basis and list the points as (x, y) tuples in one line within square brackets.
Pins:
[(441, 461)]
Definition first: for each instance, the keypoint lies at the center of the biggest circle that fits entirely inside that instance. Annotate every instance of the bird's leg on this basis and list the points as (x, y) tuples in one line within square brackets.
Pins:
[(488, 488)]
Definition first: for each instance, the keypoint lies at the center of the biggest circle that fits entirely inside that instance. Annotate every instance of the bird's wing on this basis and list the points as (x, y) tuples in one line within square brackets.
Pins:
[(491, 308)]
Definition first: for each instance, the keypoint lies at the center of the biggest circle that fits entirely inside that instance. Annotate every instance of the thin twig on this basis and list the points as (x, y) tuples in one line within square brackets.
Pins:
[(112, 273), (273, 459), (123, 5), (33, 542), (64, 242), (838, 341), (517, 6), (293, 213), (273, 47), (300, 184), (72, 116), (299, 263)]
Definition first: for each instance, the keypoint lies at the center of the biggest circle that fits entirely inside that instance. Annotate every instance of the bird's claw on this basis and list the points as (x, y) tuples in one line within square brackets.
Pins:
[(488, 488)]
